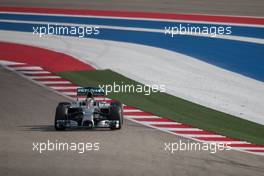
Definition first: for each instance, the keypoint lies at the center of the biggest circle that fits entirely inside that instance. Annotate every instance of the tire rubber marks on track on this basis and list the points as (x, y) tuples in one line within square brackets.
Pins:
[(65, 87)]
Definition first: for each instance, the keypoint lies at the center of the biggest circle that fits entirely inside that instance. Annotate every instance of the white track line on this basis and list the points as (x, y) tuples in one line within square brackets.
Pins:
[(145, 18), (155, 123), (43, 77), (224, 142), (132, 110), (201, 135), (249, 148), (27, 68), (101, 98), (34, 72), (7, 63), (64, 87), (55, 82), (228, 142), (179, 129), (134, 116), (69, 93)]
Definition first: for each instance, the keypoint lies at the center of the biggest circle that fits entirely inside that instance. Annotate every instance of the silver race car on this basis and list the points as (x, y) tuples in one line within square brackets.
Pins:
[(89, 113)]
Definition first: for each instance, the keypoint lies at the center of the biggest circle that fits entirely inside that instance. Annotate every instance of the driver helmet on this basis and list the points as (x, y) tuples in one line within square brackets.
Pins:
[(89, 99)]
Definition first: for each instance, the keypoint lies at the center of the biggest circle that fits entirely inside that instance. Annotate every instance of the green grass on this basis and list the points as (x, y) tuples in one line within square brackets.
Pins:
[(171, 107)]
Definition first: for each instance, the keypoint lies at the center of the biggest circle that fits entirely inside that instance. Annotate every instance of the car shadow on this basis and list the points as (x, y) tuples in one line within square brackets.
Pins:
[(50, 128)]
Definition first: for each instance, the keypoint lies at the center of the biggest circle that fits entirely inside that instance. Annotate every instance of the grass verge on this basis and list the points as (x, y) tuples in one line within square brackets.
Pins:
[(171, 107)]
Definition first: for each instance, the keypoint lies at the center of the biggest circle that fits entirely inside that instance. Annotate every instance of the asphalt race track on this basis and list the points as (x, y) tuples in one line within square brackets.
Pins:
[(27, 117), (27, 114)]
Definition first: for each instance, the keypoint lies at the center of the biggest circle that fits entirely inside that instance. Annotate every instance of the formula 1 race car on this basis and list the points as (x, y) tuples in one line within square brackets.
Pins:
[(89, 113)]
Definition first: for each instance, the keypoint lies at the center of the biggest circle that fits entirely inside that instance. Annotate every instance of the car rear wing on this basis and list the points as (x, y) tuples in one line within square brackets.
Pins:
[(94, 90)]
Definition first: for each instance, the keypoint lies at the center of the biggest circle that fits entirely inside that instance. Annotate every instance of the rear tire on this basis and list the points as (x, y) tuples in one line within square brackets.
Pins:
[(116, 113), (61, 114), (120, 105)]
